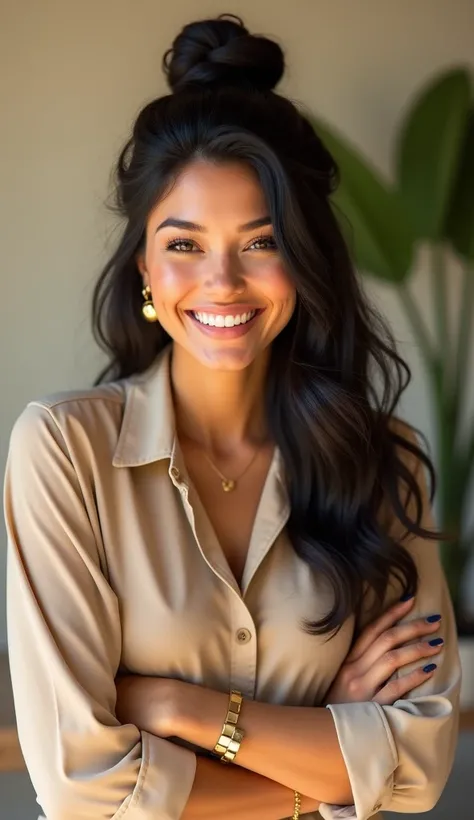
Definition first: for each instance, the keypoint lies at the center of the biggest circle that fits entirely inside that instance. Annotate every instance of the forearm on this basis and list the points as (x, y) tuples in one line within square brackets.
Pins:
[(294, 746), (236, 794)]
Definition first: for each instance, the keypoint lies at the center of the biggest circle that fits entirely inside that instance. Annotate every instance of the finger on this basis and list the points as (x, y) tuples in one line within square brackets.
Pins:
[(400, 687), (371, 632), (396, 659), (396, 636)]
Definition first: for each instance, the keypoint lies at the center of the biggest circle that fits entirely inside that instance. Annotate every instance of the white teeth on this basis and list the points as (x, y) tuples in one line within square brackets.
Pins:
[(219, 320)]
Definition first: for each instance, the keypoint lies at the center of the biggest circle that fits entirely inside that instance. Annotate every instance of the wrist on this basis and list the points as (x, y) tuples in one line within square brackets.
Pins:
[(199, 714), (165, 706), (228, 744), (182, 712)]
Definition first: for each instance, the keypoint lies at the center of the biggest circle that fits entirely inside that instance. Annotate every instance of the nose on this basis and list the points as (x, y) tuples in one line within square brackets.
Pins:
[(225, 277)]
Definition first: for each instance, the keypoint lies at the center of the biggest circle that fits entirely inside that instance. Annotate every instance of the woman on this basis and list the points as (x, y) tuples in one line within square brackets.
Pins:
[(233, 507)]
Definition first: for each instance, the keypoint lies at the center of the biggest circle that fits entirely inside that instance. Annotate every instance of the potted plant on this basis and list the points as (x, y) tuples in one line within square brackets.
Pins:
[(431, 201)]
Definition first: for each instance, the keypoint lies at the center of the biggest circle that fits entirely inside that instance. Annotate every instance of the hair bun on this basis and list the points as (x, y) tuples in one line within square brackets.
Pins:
[(222, 52)]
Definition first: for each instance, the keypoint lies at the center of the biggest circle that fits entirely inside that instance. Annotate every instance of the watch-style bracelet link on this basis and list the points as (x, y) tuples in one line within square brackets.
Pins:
[(231, 737)]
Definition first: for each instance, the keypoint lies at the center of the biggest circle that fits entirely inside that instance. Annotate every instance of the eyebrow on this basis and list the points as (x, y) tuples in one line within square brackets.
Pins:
[(184, 225)]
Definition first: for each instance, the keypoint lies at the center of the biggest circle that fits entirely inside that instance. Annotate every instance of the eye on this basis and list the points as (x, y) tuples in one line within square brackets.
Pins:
[(181, 246), (263, 243)]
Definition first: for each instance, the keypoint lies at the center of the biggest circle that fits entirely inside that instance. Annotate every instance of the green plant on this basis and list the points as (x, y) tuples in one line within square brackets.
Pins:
[(431, 201)]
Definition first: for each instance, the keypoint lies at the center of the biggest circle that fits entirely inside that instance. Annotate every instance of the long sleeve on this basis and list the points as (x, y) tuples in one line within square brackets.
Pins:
[(64, 636), (399, 757)]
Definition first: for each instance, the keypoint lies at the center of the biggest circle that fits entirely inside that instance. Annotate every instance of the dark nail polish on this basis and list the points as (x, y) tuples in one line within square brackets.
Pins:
[(433, 618), (436, 642), (430, 668), (406, 598)]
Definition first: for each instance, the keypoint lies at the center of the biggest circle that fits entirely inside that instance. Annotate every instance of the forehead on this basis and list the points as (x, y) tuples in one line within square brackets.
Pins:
[(210, 190)]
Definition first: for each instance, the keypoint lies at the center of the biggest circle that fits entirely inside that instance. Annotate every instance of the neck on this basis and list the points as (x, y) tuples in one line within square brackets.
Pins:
[(219, 410)]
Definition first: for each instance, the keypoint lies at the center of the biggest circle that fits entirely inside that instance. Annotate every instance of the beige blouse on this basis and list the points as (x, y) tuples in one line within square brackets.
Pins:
[(113, 565)]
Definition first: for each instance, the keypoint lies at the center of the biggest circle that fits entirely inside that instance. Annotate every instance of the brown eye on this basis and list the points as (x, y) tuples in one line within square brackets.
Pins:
[(181, 246), (263, 243)]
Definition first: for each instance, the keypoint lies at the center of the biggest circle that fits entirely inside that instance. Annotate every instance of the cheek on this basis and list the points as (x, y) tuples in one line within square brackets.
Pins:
[(170, 282), (278, 286)]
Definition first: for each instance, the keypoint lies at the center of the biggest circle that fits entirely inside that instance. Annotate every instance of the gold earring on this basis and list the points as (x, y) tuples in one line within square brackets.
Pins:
[(148, 308)]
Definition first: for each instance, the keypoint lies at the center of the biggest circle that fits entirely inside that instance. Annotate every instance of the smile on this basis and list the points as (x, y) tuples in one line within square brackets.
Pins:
[(221, 320), (225, 325)]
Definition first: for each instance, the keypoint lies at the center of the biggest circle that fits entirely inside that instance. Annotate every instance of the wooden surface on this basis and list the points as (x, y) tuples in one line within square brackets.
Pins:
[(11, 758), (466, 723)]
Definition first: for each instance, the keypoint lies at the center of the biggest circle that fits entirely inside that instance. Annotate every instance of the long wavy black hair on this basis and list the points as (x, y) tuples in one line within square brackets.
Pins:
[(334, 377)]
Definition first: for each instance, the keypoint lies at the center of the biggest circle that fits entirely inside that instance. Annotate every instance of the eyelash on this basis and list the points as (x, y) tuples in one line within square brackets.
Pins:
[(171, 246)]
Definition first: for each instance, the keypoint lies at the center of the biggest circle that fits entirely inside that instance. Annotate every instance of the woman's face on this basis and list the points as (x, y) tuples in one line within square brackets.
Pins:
[(218, 283)]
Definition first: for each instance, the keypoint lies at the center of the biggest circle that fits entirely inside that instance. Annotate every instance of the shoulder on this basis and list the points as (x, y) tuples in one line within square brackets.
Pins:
[(414, 482), (405, 470), (72, 420), (408, 446), (402, 429)]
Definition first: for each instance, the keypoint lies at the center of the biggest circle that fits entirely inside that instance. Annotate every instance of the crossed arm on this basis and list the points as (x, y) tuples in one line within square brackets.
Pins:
[(285, 748), (64, 628)]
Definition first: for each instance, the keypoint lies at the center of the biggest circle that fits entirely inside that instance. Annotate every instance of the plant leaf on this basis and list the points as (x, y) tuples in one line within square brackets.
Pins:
[(428, 150), (371, 215), (459, 228)]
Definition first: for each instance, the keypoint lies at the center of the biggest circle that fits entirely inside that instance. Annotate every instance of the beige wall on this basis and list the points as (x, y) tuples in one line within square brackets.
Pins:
[(74, 75)]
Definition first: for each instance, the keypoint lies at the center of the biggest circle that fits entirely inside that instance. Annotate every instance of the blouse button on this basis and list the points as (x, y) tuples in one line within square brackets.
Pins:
[(174, 472), (243, 636)]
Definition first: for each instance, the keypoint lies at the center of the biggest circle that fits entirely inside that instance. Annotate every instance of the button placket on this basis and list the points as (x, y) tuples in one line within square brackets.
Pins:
[(243, 648), (243, 635)]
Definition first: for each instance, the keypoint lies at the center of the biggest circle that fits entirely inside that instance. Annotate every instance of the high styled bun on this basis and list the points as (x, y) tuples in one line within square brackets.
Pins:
[(222, 52)]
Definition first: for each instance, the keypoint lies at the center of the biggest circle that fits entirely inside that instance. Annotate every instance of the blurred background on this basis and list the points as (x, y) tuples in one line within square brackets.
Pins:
[(391, 81)]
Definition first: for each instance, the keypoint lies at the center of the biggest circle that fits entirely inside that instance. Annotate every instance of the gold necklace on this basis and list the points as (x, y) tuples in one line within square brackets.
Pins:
[(229, 484)]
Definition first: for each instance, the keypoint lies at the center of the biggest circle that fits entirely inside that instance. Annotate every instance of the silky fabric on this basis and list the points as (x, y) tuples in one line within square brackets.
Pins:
[(113, 566)]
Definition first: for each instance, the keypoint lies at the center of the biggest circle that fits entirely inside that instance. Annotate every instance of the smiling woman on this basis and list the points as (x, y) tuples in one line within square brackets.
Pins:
[(207, 549), (222, 280)]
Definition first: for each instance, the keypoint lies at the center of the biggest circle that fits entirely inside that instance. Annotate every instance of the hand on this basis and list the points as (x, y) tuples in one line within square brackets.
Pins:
[(383, 647), (149, 703)]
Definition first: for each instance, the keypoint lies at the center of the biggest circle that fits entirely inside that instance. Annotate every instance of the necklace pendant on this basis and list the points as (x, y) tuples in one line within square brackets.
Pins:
[(228, 485)]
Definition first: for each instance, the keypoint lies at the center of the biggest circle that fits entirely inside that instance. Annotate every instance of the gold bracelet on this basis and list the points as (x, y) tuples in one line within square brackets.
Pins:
[(297, 809), (231, 737)]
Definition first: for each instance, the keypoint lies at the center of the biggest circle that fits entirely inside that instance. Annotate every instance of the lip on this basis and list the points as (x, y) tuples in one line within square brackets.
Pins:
[(225, 310), (225, 332)]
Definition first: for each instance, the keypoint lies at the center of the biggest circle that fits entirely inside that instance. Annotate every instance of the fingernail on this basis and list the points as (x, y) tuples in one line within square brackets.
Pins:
[(433, 618), (406, 598), (430, 668), (436, 642)]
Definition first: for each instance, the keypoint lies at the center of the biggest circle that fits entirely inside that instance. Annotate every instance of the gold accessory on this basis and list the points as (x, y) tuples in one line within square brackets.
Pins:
[(231, 737), (148, 308), (229, 484), (297, 809)]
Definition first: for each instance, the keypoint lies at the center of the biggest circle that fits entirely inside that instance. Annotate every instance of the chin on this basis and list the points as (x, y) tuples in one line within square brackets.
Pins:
[(230, 360)]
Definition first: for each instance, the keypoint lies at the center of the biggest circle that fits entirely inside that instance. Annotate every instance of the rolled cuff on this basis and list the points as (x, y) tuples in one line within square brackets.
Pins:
[(164, 782), (361, 728)]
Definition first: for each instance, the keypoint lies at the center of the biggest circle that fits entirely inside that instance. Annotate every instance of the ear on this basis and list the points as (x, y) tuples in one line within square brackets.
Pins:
[(140, 260)]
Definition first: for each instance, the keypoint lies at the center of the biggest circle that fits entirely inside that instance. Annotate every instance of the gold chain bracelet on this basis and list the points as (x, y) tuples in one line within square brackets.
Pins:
[(297, 809), (231, 737)]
